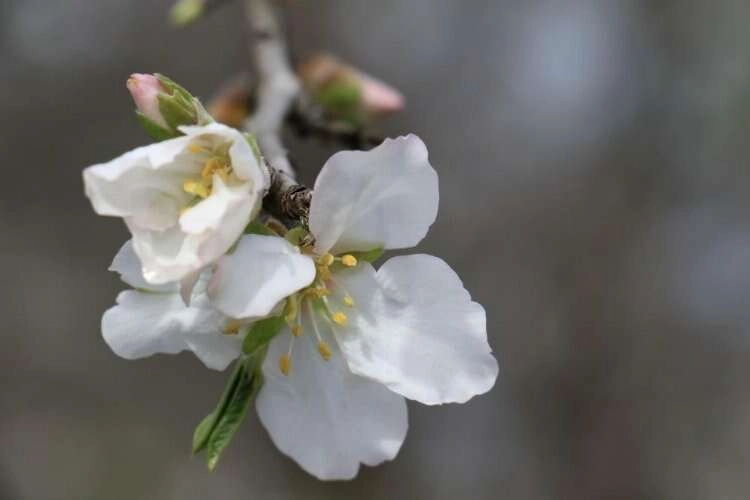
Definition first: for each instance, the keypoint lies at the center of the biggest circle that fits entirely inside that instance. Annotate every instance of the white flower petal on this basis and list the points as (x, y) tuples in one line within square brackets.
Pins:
[(386, 197), (146, 188), (260, 272), (244, 162), (143, 184), (205, 233), (128, 265), (324, 417), (415, 329), (143, 323)]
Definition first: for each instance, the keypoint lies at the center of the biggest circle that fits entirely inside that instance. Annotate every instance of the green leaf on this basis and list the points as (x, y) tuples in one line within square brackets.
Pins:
[(153, 129), (370, 255), (256, 227), (234, 413), (261, 333), (206, 427)]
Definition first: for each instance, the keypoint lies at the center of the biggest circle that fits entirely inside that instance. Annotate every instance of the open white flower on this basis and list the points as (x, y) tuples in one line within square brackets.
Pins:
[(154, 319), (359, 340), (185, 200)]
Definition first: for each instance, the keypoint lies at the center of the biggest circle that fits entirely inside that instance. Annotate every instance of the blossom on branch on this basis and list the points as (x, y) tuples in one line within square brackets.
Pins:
[(358, 340), (185, 200), (154, 319)]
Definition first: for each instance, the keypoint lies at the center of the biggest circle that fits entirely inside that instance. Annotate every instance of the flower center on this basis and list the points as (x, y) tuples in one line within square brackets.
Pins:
[(321, 301), (215, 161)]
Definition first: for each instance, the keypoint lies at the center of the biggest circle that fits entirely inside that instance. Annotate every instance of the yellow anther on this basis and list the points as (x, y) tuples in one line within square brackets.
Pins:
[(340, 318), (349, 260), (318, 292), (348, 300), (193, 187), (326, 260), (195, 149), (296, 330), (232, 327), (324, 273), (285, 364), (210, 167), (291, 309), (324, 349)]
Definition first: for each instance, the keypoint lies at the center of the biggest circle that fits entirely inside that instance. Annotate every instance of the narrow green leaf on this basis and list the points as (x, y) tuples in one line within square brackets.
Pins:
[(205, 428), (232, 417), (370, 255), (261, 333)]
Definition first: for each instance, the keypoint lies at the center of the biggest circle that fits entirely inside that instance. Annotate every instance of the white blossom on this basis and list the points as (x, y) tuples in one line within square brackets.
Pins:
[(154, 319), (185, 200), (358, 341)]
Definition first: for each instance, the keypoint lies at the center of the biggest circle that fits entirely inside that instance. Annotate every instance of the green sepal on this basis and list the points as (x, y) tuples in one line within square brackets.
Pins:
[(176, 111), (343, 100), (174, 89), (250, 138), (370, 255), (250, 381), (206, 426), (153, 129), (296, 235), (261, 333), (256, 227), (215, 432)]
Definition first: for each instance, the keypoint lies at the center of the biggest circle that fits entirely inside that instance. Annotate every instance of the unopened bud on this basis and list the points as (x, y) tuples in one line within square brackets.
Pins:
[(163, 105), (145, 90), (184, 12), (346, 92)]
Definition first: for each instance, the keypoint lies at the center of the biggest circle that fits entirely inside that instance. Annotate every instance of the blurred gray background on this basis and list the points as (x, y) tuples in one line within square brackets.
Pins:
[(593, 161)]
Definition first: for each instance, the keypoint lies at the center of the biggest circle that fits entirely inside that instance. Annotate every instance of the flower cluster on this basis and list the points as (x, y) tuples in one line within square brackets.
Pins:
[(349, 343)]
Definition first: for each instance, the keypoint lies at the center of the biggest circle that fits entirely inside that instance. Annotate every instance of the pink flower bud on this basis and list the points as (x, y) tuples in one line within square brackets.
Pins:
[(145, 90), (377, 97)]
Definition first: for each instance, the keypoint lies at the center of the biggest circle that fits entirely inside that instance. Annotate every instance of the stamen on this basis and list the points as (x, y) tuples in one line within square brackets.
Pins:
[(195, 149), (318, 292), (324, 273), (349, 260), (285, 364), (285, 361), (210, 167), (339, 318), (348, 300), (232, 327), (296, 330), (324, 349), (193, 187), (326, 259), (292, 308)]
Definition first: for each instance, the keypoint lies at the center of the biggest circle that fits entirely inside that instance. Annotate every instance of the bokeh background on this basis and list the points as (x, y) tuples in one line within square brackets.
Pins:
[(593, 159)]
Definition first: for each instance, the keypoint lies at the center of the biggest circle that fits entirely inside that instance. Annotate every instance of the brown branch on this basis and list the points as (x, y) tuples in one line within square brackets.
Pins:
[(277, 88)]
